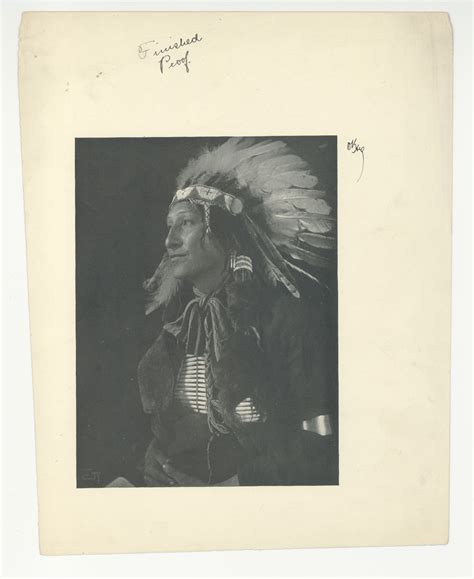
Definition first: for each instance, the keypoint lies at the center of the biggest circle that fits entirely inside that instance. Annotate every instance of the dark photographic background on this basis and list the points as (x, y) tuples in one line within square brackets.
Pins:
[(123, 190)]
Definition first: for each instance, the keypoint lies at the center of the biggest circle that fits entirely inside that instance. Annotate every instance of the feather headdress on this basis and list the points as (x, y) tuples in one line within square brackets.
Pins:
[(275, 195)]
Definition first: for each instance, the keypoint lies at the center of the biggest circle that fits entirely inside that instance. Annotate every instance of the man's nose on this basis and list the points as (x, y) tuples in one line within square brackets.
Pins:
[(173, 239)]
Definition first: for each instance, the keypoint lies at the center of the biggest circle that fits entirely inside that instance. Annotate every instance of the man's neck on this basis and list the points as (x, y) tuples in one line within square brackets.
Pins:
[(208, 284)]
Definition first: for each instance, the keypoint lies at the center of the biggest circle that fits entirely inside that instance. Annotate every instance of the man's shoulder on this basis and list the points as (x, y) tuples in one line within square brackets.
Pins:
[(282, 308)]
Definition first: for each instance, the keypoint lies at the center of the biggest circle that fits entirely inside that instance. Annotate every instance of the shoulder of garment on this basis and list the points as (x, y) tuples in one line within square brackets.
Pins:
[(285, 314)]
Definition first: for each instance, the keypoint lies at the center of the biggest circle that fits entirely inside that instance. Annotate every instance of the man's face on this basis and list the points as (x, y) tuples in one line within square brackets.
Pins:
[(194, 256)]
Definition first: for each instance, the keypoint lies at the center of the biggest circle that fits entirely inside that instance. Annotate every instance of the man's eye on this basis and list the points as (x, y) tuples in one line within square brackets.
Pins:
[(187, 222)]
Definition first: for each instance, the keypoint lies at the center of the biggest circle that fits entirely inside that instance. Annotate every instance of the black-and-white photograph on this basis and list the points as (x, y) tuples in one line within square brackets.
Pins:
[(206, 311)]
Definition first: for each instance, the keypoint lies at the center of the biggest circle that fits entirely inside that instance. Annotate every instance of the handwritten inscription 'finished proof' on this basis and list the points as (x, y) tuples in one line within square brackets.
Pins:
[(154, 48)]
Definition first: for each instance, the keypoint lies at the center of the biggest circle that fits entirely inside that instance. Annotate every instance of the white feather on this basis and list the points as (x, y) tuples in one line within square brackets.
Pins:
[(307, 256), (273, 166), (305, 204), (294, 193), (317, 240), (292, 227), (291, 179), (302, 271), (302, 215)]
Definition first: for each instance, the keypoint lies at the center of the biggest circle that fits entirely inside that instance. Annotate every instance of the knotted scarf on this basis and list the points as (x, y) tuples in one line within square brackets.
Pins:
[(203, 325)]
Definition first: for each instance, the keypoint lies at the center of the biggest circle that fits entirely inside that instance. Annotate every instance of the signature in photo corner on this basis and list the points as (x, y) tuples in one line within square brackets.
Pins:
[(153, 49), (89, 474), (354, 147)]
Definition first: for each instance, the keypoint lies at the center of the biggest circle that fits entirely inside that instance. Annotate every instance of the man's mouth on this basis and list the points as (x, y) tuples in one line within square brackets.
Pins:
[(177, 256)]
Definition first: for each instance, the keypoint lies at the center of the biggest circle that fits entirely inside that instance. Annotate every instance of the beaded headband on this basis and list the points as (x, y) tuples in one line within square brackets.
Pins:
[(207, 196)]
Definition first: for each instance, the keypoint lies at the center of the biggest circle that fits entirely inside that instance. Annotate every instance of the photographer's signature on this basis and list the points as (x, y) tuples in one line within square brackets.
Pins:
[(354, 147), (169, 55)]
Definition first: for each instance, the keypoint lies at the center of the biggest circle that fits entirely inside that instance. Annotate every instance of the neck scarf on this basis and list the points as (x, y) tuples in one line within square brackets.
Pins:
[(203, 326)]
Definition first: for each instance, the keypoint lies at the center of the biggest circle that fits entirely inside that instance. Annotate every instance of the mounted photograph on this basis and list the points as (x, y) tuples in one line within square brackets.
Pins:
[(206, 311)]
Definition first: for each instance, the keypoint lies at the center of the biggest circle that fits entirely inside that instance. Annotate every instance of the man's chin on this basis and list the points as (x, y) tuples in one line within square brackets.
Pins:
[(180, 273)]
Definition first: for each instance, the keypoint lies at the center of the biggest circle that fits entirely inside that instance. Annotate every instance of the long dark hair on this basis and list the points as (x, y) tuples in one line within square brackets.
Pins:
[(243, 288)]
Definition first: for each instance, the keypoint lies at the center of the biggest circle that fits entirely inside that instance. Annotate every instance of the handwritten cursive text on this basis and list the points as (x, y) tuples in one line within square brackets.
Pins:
[(354, 147), (169, 56)]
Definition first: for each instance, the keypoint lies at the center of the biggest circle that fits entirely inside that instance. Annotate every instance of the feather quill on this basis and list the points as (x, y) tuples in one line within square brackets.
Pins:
[(274, 261), (306, 273), (303, 204), (317, 240), (289, 193), (310, 257), (304, 215)]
